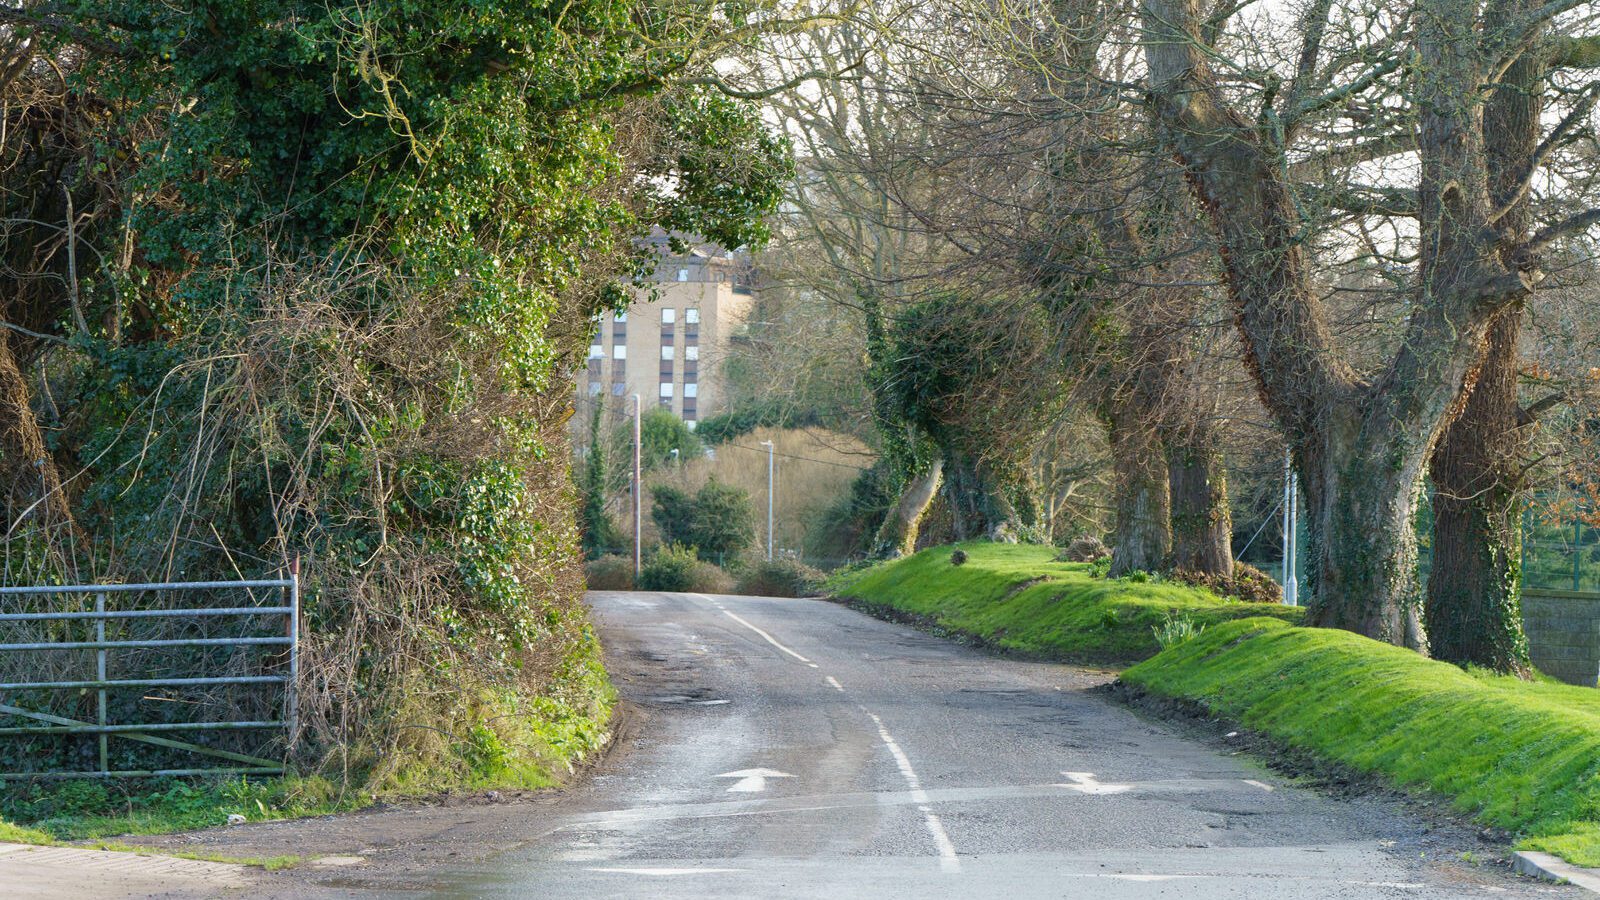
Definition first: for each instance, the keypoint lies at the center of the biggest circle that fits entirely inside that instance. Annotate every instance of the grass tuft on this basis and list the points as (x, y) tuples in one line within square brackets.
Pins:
[(1019, 598)]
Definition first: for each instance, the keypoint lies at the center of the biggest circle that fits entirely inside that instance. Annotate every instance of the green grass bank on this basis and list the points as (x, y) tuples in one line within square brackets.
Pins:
[(1518, 755), (1018, 598)]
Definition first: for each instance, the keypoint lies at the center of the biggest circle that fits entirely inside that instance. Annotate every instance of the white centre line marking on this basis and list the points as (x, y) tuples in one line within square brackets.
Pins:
[(941, 839), (836, 685), (767, 637)]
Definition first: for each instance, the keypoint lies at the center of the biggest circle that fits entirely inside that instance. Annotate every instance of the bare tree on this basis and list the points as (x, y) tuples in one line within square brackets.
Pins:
[(1360, 441)]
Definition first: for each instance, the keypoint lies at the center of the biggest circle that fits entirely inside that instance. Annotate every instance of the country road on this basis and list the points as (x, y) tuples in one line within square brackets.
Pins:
[(797, 748)]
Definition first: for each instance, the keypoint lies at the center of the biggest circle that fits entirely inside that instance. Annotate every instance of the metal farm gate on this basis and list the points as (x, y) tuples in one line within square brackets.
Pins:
[(115, 606)]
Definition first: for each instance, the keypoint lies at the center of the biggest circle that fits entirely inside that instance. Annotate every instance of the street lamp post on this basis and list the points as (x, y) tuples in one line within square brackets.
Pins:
[(768, 445), (638, 501)]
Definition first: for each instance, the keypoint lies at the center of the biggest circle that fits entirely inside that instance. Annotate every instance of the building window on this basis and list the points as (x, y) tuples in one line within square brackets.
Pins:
[(690, 389), (683, 274), (691, 352), (616, 388), (669, 316), (619, 351), (666, 390), (690, 423), (666, 352), (620, 317), (596, 351), (692, 315), (594, 388)]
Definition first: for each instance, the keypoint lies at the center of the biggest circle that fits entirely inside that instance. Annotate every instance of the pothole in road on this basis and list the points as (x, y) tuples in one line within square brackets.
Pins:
[(694, 697)]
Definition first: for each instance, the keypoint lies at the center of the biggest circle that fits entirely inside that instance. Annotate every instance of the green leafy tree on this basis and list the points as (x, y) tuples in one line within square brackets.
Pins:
[(600, 535), (724, 521), (673, 511), (660, 433), (718, 520)]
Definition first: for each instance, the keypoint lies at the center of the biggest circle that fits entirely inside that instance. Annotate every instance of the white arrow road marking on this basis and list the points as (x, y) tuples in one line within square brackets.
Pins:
[(665, 871), (1085, 783), (752, 780)]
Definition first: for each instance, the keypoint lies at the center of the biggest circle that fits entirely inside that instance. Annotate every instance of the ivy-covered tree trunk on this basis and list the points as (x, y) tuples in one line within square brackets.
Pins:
[(898, 534), (1202, 525), (1143, 536), (1474, 603), (1361, 496)]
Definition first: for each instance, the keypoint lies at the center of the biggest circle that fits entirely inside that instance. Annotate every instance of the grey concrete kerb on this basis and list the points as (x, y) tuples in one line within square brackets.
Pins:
[(1551, 868)]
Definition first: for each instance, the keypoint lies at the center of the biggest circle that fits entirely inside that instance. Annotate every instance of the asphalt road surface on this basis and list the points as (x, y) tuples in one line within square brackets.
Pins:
[(796, 748)]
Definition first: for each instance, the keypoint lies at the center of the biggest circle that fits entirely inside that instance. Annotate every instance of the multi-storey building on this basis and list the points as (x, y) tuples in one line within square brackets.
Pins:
[(669, 345)]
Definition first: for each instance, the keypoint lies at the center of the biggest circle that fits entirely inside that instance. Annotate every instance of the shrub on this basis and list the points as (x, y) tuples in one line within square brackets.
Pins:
[(717, 521), (1248, 583), (610, 573), (1084, 549), (958, 557), (677, 568), (670, 568), (780, 578), (724, 522), (672, 509)]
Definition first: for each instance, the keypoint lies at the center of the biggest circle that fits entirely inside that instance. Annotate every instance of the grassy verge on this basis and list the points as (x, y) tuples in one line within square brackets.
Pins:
[(1523, 756), (91, 810), (493, 738), (1017, 598)]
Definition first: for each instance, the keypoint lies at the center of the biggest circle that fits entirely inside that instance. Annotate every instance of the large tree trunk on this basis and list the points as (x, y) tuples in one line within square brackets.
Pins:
[(1143, 538), (898, 534), (1359, 509), (1474, 604), (1202, 524)]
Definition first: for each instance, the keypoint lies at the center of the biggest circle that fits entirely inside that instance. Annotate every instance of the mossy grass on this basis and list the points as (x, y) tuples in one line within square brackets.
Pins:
[(1519, 755), (1019, 598), (89, 810)]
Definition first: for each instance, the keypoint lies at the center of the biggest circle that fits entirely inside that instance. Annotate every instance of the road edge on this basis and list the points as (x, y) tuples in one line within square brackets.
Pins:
[(1552, 868)]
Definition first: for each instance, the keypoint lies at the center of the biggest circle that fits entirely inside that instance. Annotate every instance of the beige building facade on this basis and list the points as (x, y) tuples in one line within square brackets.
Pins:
[(669, 346)]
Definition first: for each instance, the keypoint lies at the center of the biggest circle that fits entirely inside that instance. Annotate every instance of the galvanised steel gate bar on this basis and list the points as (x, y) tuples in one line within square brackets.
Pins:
[(101, 727)]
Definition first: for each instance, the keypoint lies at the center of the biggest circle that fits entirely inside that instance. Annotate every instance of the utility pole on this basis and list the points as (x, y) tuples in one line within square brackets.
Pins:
[(638, 501), (768, 445), (1291, 527)]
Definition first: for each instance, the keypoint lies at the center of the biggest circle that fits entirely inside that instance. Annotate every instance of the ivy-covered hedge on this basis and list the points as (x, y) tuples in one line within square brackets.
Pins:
[(332, 268)]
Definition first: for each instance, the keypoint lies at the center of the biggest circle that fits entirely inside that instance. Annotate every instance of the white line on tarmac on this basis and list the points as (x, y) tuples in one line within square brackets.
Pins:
[(836, 685), (1254, 783), (767, 637), (662, 871), (947, 851)]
